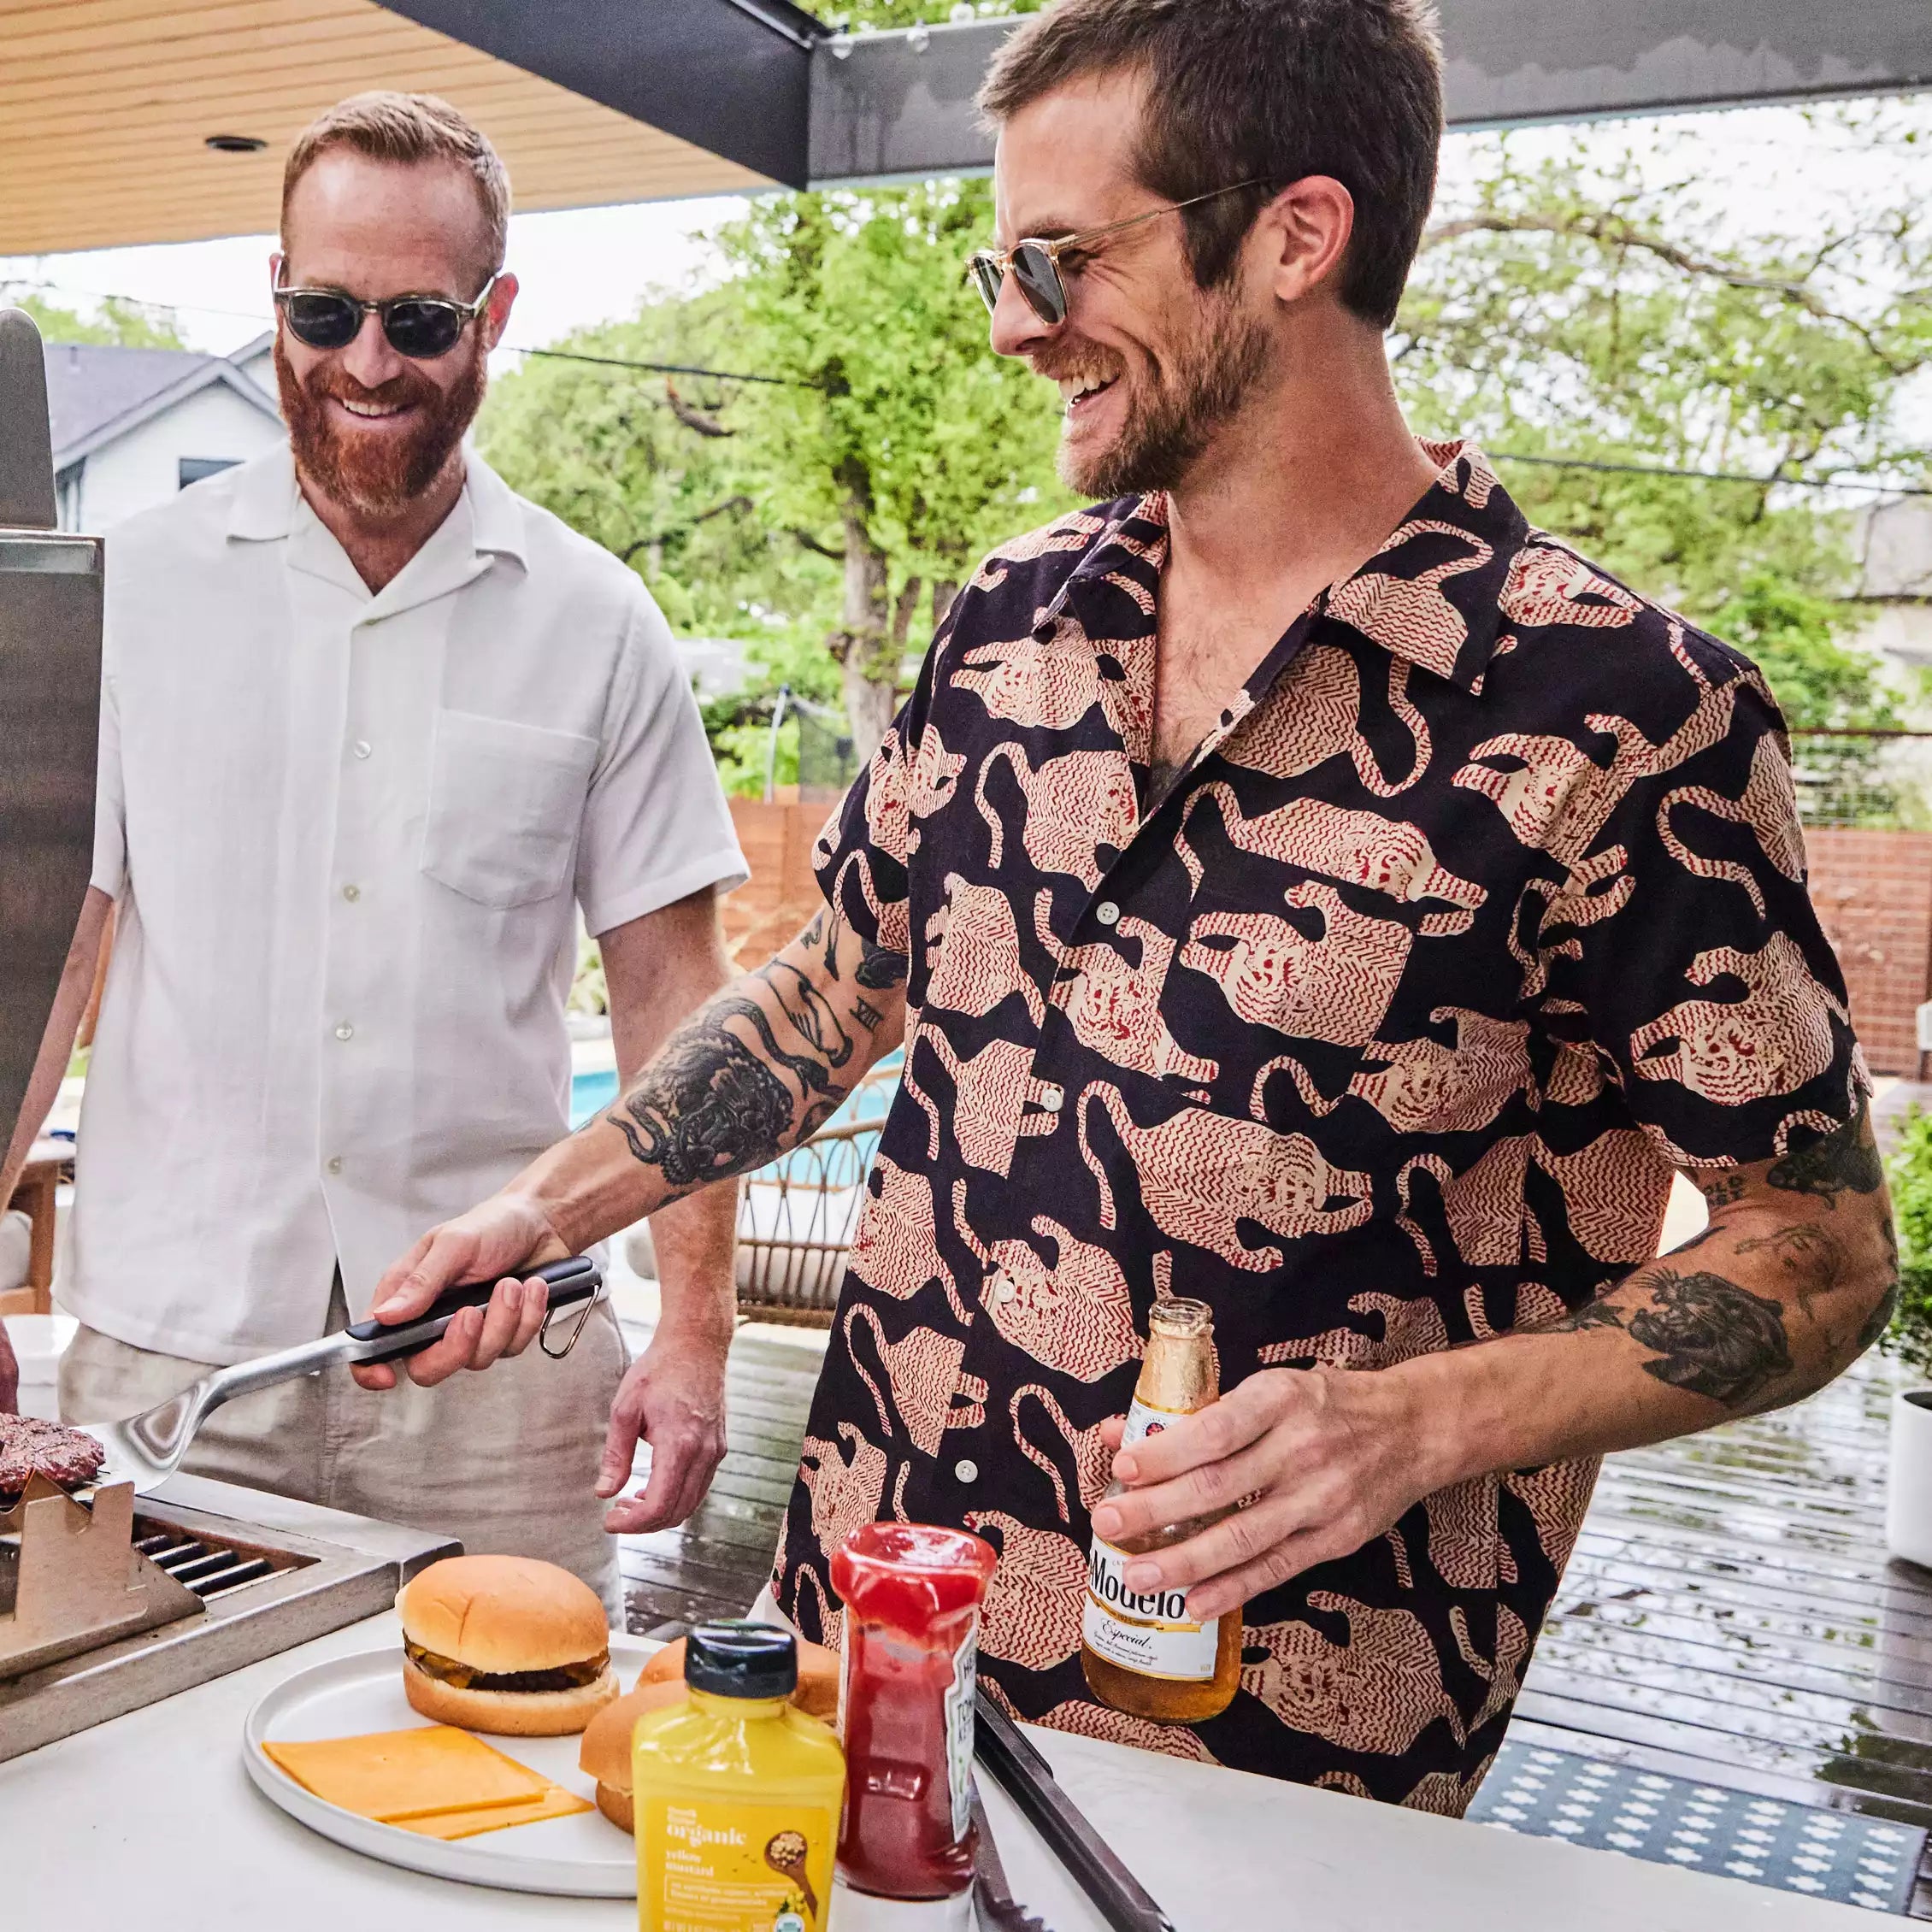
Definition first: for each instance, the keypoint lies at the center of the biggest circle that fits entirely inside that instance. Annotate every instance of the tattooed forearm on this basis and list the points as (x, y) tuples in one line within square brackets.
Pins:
[(761, 1068), (1844, 1161), (810, 1012), (1711, 1337), (707, 1109)]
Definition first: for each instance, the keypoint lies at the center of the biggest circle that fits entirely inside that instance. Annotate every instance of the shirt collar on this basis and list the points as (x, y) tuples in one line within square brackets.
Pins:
[(1432, 596), (266, 491)]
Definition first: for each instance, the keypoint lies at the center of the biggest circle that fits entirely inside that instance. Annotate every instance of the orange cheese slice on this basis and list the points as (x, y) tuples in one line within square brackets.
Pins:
[(397, 1776), (556, 1803)]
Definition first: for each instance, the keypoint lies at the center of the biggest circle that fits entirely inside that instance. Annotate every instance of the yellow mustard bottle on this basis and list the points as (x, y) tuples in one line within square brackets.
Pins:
[(737, 1793)]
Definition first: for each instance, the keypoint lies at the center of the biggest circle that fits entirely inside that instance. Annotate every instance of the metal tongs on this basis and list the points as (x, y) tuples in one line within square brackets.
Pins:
[(1028, 1781), (147, 1449)]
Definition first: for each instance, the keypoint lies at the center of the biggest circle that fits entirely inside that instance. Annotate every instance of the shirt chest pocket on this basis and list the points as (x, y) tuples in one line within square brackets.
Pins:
[(505, 803)]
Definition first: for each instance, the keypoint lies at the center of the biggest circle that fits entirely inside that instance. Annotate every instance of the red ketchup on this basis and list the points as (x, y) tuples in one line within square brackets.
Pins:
[(912, 1596)]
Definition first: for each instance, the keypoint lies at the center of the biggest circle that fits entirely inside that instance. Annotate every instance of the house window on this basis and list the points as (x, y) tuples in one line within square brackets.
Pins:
[(194, 469)]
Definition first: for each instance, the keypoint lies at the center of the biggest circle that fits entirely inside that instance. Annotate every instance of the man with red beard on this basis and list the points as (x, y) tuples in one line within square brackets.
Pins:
[(374, 729)]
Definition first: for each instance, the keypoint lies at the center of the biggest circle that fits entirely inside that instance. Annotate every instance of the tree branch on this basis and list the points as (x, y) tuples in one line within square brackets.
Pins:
[(1617, 232)]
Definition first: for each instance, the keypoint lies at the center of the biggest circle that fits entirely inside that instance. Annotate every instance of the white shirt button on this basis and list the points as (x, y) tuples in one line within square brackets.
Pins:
[(346, 1031), (351, 893), (966, 1471), (335, 1163), (1052, 1098), (1107, 913), (360, 747)]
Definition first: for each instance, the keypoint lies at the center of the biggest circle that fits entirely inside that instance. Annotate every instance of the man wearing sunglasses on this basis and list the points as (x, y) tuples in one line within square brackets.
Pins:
[(375, 730), (1301, 886)]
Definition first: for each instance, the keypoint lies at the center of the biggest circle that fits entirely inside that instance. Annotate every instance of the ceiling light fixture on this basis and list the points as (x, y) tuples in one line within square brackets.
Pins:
[(235, 144)]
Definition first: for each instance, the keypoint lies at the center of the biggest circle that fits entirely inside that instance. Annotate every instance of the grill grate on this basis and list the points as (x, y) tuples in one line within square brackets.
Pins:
[(210, 1569)]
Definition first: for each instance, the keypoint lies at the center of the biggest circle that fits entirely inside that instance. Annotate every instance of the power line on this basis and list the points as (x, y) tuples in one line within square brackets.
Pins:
[(666, 369), (1716, 476)]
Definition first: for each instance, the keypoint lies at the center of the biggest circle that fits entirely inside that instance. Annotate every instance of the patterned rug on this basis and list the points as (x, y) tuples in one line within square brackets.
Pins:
[(1835, 1855)]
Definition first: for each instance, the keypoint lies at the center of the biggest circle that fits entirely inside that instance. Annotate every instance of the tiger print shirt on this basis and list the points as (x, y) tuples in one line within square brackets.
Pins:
[(1481, 909)]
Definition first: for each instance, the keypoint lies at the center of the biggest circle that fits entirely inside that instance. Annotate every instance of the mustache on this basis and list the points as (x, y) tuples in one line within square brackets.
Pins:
[(1054, 360), (406, 386)]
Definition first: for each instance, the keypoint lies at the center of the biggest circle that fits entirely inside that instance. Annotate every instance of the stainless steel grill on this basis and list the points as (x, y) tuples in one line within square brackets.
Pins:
[(269, 1573)]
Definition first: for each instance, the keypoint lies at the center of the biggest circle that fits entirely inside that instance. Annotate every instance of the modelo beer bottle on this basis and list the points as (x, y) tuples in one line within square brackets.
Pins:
[(1141, 1652)]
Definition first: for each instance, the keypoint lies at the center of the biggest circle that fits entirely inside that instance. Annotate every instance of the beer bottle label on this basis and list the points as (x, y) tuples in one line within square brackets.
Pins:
[(1149, 1633), (1144, 1419)]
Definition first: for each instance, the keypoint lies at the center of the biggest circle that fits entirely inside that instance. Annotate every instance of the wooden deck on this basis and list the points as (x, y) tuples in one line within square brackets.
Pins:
[(1729, 1614), (719, 1561)]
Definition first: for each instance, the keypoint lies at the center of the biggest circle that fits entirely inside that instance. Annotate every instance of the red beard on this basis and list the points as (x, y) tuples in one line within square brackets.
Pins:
[(376, 474)]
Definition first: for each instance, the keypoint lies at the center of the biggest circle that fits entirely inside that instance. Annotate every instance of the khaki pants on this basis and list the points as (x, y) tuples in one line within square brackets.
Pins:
[(507, 1460)]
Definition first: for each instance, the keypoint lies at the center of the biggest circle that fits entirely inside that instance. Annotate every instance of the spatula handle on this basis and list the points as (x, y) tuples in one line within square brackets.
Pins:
[(579, 1279)]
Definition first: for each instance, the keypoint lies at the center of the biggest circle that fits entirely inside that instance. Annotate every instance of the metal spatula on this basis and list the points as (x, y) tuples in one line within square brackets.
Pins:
[(146, 1450)]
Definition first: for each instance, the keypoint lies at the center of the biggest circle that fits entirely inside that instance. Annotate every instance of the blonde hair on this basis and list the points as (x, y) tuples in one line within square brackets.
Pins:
[(404, 129)]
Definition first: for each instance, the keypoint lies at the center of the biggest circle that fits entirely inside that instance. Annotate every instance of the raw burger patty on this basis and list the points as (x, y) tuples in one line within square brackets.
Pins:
[(63, 1455)]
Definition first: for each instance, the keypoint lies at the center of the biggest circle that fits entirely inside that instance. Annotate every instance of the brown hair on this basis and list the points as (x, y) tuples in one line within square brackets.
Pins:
[(405, 129), (1268, 90)]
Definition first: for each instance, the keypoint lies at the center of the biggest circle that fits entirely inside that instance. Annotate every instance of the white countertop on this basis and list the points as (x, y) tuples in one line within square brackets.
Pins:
[(149, 1822)]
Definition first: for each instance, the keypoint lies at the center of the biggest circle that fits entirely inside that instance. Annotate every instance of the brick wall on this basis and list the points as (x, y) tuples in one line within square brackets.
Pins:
[(1873, 891)]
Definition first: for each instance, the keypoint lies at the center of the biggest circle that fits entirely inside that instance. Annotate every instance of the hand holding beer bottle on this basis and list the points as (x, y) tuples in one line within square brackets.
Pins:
[(1141, 1652)]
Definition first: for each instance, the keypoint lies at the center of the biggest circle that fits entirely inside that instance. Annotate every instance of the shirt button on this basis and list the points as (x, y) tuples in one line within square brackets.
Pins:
[(966, 1471), (1052, 1098), (1107, 913), (335, 1163), (360, 747), (351, 893), (346, 1031)]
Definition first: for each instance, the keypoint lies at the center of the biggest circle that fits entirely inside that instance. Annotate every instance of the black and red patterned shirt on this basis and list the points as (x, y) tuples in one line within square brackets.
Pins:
[(1483, 908)]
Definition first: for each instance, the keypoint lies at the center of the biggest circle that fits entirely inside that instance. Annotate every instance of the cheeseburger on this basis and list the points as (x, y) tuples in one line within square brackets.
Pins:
[(506, 1645)]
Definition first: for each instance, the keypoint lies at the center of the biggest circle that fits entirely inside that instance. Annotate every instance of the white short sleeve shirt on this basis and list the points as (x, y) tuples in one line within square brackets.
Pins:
[(349, 835)]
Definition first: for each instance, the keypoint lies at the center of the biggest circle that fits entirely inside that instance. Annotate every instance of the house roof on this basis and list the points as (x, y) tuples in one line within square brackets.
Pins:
[(96, 391)]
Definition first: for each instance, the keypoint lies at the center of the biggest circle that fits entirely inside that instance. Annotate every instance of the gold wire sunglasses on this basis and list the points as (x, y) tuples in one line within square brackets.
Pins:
[(1035, 264)]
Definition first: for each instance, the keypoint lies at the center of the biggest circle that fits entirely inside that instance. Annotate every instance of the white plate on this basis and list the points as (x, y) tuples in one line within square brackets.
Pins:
[(584, 1857)]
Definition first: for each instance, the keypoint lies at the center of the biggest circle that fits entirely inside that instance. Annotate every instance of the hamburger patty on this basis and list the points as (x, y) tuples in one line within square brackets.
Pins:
[(447, 1670), (29, 1445)]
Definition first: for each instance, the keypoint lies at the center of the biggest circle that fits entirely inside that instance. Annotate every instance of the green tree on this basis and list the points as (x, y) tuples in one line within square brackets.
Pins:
[(651, 465), (1580, 308), (121, 325), (905, 448)]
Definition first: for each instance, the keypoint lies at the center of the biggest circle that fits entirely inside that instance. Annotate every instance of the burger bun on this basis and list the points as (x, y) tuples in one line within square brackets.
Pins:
[(606, 1752)]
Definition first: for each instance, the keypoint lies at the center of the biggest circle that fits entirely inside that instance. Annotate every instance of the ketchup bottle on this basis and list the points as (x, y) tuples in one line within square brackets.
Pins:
[(912, 1596)]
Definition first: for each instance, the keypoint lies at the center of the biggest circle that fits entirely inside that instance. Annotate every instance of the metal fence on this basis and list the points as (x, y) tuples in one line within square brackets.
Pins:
[(1878, 780)]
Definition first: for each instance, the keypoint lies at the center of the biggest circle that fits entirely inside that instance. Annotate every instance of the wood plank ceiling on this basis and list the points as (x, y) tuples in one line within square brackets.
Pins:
[(106, 106)]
